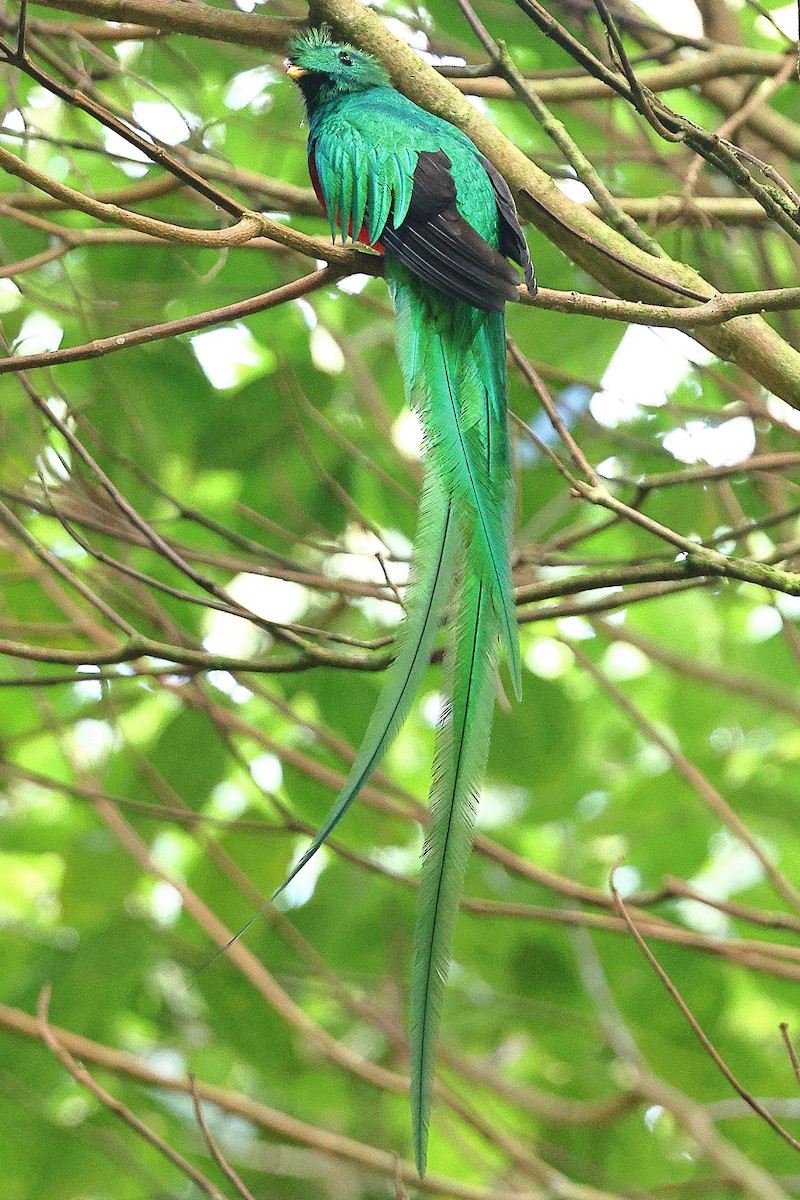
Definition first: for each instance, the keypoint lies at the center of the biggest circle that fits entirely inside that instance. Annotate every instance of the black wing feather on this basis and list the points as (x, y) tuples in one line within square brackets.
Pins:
[(512, 239), (436, 243)]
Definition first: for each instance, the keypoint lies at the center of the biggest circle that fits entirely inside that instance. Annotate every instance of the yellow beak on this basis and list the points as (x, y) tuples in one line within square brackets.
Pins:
[(295, 72)]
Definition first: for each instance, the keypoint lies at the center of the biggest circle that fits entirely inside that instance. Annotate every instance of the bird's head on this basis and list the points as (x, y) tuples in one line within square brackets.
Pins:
[(326, 70)]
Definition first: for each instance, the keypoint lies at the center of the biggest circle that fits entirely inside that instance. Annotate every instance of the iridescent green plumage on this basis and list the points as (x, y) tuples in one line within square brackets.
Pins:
[(393, 176)]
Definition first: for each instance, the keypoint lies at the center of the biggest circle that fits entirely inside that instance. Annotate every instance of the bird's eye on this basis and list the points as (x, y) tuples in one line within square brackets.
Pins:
[(345, 59)]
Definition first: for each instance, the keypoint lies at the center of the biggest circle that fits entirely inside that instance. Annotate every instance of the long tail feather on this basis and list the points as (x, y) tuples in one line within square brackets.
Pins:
[(453, 360), (458, 770), (431, 585), (483, 496)]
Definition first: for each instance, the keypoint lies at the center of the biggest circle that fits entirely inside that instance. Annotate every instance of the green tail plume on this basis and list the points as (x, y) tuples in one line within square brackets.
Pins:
[(458, 770), (453, 359), (454, 365), (431, 585), (430, 588)]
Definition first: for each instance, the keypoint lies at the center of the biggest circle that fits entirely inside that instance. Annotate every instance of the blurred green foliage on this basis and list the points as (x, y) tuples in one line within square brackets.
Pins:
[(283, 447)]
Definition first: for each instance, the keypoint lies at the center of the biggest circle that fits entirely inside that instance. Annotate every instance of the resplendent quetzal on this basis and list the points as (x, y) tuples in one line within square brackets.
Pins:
[(415, 188)]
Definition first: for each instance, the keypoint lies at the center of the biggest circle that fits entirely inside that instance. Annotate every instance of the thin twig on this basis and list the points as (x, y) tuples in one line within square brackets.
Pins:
[(216, 1153), (789, 1044), (82, 1077), (705, 1042)]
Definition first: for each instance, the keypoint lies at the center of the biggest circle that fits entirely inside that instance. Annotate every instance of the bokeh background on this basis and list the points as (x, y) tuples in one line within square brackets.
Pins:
[(203, 544)]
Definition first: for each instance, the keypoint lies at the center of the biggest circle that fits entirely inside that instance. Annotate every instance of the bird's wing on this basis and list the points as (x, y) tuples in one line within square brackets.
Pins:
[(512, 239), (436, 242), (404, 200)]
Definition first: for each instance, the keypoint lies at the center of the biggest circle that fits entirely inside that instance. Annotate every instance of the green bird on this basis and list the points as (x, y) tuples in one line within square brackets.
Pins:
[(417, 190)]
